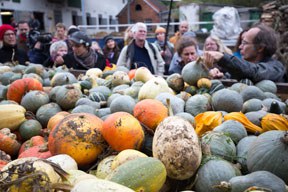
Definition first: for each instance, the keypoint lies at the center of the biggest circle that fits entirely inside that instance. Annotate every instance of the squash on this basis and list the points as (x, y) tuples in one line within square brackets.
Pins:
[(94, 72), (143, 74), (30, 128), (65, 161), (233, 129), (11, 116), (256, 116), (177, 104), (150, 112), (123, 131), (188, 117), (78, 135), (34, 99), (131, 73), (194, 71), (36, 69), (252, 92), (177, 146), (269, 153), (212, 173), (63, 78), (119, 78), (34, 141), (104, 167), (39, 151), (242, 151), (123, 103), (45, 112), (4, 159), (140, 174), (92, 185), (83, 109), (18, 88), (197, 104), (125, 156), (219, 144), (207, 121), (252, 105), (267, 86), (227, 100), (175, 82), (204, 83), (273, 121), (67, 96), (8, 142), (262, 179), (55, 119)]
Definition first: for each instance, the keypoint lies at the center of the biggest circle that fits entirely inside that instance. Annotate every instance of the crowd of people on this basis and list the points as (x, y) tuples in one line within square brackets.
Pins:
[(252, 57)]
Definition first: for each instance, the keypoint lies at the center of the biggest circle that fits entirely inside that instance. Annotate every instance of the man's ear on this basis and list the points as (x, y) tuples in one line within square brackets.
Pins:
[(259, 49)]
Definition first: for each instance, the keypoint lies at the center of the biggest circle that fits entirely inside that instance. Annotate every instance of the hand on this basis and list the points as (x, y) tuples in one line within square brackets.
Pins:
[(59, 60), (215, 73), (211, 57)]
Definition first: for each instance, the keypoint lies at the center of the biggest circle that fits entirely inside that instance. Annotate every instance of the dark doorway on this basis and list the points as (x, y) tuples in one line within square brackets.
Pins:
[(6, 15), (39, 16)]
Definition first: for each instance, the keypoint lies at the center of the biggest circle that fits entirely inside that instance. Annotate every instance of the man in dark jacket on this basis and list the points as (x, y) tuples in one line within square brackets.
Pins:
[(9, 51), (257, 48)]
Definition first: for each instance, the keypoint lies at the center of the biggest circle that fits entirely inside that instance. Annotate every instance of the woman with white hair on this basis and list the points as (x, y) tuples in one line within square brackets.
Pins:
[(57, 49)]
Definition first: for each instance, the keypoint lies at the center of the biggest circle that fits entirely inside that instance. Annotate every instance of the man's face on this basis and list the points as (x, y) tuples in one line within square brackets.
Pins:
[(9, 38), (141, 34), (23, 28), (247, 48), (189, 54), (183, 28), (60, 32)]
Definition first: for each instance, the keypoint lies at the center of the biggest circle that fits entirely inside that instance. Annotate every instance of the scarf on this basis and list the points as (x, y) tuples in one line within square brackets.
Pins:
[(88, 60)]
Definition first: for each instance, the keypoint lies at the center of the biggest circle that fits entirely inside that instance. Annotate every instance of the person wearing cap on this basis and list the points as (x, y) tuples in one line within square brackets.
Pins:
[(83, 56), (141, 53), (183, 27), (70, 31), (168, 51), (111, 50), (9, 51)]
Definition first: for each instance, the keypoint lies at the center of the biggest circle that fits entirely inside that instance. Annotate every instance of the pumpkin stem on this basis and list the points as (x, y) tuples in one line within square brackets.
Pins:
[(169, 107), (284, 139), (224, 185), (30, 115)]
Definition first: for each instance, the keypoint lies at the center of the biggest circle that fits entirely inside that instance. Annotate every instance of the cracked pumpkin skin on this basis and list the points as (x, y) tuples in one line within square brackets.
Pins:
[(123, 131), (78, 135)]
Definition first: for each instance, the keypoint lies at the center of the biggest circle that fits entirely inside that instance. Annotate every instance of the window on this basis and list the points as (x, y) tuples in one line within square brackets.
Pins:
[(16, 1), (100, 19), (138, 7), (149, 28)]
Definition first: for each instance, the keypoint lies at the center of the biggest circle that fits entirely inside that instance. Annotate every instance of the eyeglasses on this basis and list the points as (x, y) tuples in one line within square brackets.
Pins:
[(9, 34), (246, 43)]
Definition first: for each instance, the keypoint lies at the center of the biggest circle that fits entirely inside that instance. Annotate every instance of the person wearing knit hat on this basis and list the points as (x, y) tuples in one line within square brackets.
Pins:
[(111, 50), (9, 51), (82, 56), (168, 51)]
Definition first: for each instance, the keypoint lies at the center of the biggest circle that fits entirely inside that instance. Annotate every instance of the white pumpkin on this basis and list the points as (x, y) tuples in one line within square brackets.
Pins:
[(65, 161)]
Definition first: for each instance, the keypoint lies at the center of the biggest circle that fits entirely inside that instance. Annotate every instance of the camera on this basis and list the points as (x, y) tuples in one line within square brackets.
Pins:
[(35, 36)]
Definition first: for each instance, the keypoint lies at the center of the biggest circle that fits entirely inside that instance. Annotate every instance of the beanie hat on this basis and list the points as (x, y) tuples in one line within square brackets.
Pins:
[(72, 30), (80, 37), (160, 30), (4, 28), (107, 38)]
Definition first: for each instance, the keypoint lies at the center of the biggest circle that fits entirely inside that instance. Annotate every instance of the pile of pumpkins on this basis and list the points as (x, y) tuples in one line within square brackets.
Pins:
[(129, 130)]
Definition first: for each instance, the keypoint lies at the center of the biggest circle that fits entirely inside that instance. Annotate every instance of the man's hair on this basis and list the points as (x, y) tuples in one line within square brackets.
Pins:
[(137, 26), (60, 25), (184, 42), (23, 22), (266, 38)]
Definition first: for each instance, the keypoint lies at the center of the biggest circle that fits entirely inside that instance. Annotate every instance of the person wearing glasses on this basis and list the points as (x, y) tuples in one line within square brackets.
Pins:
[(257, 48), (83, 56), (9, 51)]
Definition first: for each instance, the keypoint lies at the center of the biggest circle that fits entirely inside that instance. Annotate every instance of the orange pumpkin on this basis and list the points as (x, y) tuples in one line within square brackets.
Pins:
[(19, 87), (4, 159), (150, 112), (8, 142), (131, 73), (34, 141), (55, 119), (40, 151), (123, 131), (78, 135)]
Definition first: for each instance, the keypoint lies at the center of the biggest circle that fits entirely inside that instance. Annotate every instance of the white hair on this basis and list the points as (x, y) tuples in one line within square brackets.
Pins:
[(138, 26)]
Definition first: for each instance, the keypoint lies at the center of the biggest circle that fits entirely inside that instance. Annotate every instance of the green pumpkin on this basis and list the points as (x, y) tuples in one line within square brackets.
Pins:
[(29, 129)]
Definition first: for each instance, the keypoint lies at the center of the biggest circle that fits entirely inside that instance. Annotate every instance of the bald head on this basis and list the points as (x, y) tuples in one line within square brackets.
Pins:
[(183, 27)]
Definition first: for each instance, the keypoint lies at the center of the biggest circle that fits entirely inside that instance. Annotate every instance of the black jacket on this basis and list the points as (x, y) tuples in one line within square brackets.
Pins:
[(6, 54)]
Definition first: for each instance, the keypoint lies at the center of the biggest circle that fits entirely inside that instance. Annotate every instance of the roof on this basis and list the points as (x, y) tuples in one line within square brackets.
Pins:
[(156, 5)]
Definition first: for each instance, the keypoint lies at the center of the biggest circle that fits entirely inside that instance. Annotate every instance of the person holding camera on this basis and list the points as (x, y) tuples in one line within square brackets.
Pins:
[(83, 56), (9, 52)]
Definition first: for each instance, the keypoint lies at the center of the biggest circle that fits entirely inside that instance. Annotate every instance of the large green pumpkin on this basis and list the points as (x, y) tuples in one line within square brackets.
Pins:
[(67, 96), (270, 153)]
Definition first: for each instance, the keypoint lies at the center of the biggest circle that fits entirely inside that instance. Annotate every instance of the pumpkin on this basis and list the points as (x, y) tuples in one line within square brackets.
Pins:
[(36, 69), (8, 142), (150, 112), (39, 151), (269, 153), (175, 82), (45, 112), (262, 179), (197, 104), (123, 103), (177, 146), (18, 88), (267, 86), (131, 73), (34, 99), (177, 104), (227, 100), (143, 74), (67, 96), (194, 71), (207, 121), (63, 78), (11, 116), (34, 141), (252, 105), (64, 161), (4, 159), (94, 72), (252, 92), (123, 131), (55, 119), (204, 83), (273, 121), (212, 173), (119, 78), (104, 167), (29, 129), (78, 135), (140, 174), (102, 89)]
